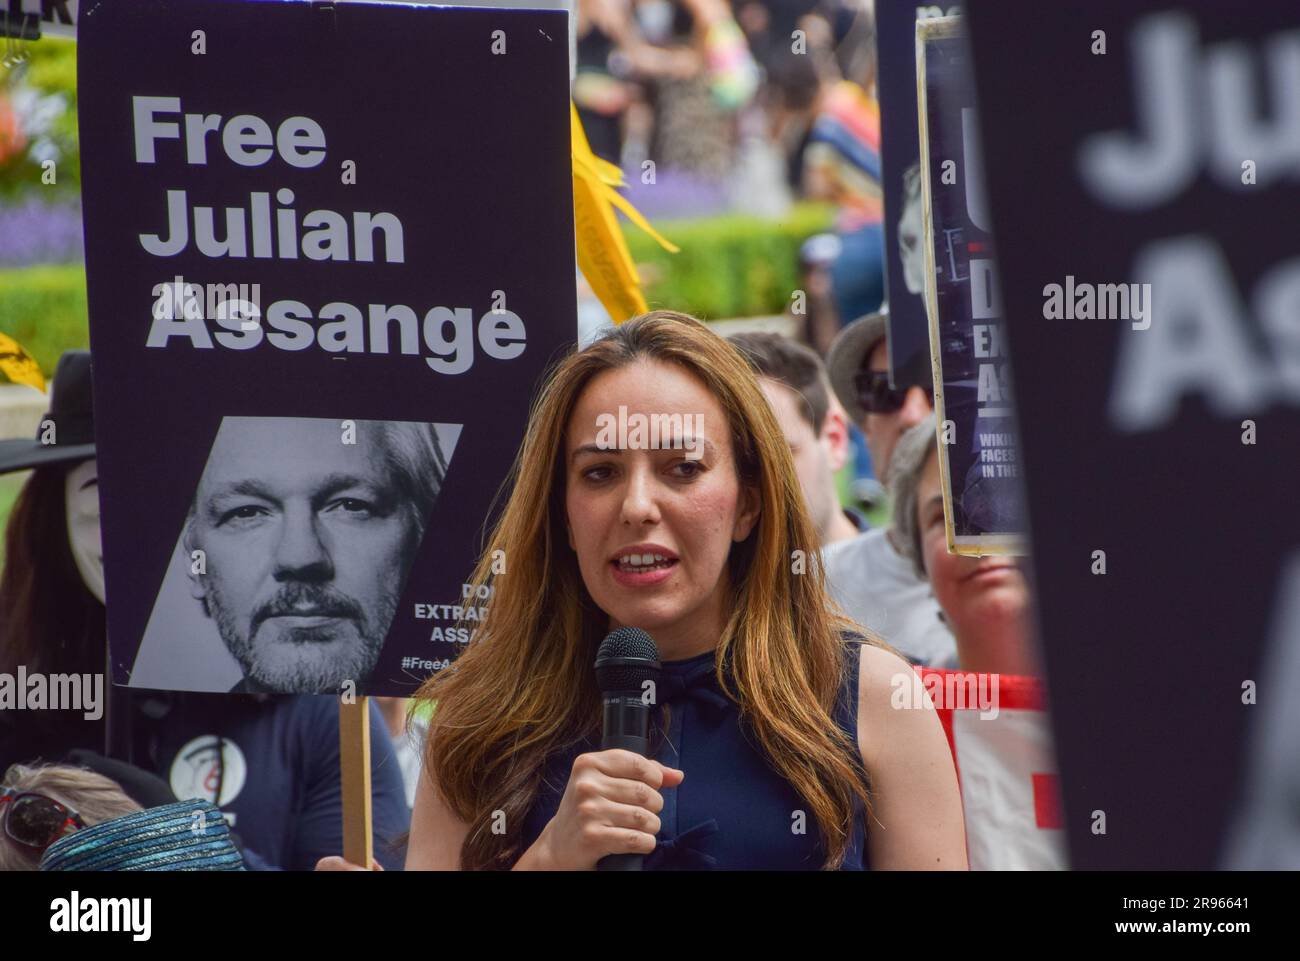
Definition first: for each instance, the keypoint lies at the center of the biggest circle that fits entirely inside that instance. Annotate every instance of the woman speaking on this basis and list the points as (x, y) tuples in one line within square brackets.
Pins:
[(776, 745)]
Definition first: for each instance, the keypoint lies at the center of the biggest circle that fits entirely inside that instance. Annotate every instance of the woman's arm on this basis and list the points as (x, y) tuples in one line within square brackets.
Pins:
[(437, 836), (916, 819), (436, 833)]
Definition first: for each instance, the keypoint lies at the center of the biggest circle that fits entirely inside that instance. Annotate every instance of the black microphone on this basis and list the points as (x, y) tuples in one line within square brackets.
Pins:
[(627, 659)]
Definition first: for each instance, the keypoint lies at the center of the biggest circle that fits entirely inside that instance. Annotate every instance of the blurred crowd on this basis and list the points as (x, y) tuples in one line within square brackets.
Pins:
[(745, 106)]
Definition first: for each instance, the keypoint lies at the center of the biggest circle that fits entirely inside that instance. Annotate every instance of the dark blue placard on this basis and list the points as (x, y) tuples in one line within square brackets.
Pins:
[(981, 469), (1135, 142), (900, 152), (454, 126)]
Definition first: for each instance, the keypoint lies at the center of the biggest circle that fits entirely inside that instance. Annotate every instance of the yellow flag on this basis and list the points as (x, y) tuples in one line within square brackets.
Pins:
[(603, 256), (18, 365)]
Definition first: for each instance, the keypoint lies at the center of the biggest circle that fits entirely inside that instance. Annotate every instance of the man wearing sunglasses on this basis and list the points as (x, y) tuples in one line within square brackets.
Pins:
[(868, 575)]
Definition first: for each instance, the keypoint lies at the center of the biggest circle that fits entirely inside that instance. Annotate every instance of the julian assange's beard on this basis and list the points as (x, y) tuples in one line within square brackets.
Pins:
[(306, 660)]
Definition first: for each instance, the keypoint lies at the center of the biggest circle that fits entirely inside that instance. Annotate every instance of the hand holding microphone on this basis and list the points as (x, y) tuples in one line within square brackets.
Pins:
[(610, 807), (608, 817)]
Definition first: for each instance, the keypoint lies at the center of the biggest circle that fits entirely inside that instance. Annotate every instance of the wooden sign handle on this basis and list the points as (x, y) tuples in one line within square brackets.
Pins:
[(354, 764)]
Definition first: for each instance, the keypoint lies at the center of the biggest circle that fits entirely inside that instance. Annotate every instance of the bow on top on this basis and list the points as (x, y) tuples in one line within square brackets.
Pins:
[(698, 682), (682, 853)]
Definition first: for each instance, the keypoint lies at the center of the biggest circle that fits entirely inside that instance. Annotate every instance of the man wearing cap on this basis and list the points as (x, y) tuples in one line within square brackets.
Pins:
[(868, 575)]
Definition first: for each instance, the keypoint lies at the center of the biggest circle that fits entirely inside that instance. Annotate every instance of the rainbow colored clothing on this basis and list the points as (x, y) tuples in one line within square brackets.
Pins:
[(843, 154)]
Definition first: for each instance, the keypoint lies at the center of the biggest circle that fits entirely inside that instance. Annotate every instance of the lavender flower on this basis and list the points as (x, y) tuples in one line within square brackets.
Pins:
[(35, 232)]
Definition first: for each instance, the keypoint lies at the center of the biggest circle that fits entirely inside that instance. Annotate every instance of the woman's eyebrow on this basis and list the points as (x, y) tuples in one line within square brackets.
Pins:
[(670, 444), (593, 449)]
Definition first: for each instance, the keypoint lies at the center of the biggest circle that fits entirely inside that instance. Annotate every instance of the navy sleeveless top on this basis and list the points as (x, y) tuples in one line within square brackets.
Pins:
[(732, 811)]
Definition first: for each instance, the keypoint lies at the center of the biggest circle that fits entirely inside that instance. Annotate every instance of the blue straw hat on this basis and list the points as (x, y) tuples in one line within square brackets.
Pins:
[(185, 836)]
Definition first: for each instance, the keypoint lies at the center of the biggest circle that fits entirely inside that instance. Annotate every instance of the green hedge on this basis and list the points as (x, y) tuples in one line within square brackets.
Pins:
[(44, 309), (729, 266)]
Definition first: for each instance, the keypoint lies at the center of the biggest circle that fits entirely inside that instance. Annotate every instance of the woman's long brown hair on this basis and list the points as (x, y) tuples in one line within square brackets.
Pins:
[(524, 688)]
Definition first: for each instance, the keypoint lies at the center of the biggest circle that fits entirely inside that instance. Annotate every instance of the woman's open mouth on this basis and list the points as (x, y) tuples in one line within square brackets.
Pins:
[(641, 569)]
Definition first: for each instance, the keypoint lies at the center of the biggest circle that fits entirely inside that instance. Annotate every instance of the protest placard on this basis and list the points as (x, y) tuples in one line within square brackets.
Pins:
[(900, 175), (1141, 161), (329, 254), (978, 461)]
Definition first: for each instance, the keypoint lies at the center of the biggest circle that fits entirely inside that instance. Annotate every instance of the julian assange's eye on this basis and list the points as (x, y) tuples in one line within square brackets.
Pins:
[(353, 505), (245, 512)]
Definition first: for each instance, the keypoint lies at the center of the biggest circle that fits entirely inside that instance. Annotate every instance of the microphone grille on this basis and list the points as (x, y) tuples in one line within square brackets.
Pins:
[(627, 657), (628, 642)]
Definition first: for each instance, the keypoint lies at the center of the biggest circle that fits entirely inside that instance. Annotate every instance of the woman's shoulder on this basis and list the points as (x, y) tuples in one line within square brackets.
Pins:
[(889, 693), (868, 656), (876, 659), (869, 653)]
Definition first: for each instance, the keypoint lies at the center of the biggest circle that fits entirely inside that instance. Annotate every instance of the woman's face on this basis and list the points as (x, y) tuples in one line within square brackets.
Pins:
[(81, 501), (975, 592), (653, 525)]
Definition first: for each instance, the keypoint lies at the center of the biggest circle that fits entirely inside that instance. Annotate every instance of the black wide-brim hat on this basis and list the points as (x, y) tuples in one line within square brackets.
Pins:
[(72, 414)]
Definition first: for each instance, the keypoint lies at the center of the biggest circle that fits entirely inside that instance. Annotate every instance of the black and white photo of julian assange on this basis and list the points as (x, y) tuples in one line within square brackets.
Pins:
[(294, 554)]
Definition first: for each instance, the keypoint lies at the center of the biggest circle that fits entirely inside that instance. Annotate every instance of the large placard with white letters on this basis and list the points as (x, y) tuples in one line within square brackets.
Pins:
[(329, 253), (1142, 161)]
